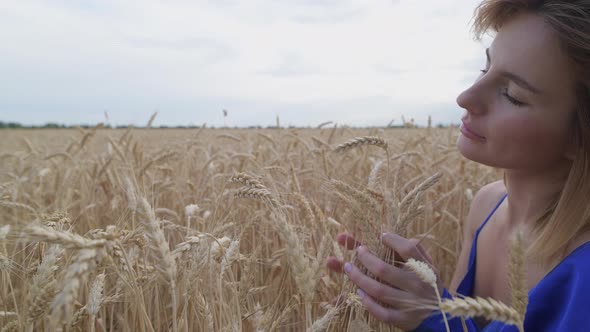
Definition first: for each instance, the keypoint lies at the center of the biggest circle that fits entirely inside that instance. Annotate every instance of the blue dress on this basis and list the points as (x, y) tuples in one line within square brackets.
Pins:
[(559, 302)]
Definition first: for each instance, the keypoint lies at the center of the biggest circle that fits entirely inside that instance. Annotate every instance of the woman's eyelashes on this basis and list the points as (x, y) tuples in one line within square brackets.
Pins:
[(505, 93), (511, 99)]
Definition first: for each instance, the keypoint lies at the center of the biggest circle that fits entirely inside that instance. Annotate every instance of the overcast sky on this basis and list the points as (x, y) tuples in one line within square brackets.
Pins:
[(364, 62)]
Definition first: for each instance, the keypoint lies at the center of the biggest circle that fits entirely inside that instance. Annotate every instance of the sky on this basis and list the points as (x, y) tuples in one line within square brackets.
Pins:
[(352, 62)]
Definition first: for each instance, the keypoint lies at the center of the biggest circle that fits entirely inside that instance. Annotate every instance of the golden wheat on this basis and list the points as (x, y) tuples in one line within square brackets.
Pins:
[(139, 230)]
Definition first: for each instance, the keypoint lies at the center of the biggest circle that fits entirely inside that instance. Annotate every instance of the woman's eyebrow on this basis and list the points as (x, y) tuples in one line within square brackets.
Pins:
[(515, 78)]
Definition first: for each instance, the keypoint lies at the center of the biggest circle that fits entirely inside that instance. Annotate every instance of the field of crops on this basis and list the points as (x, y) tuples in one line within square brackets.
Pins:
[(215, 229)]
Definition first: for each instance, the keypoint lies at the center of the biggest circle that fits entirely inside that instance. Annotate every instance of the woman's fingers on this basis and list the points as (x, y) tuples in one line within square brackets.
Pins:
[(393, 293), (347, 241), (383, 293), (406, 248), (334, 264), (388, 273), (388, 315)]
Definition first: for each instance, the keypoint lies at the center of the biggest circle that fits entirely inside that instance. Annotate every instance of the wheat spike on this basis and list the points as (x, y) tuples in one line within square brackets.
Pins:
[(78, 317), (43, 284), (13, 326), (247, 179), (151, 120), (65, 239), (254, 193), (425, 272), (4, 230), (76, 274), (488, 308), (96, 297), (360, 141), (323, 323), (167, 264)]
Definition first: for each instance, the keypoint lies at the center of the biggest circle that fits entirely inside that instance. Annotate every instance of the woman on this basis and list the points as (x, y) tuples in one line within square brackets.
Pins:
[(529, 114)]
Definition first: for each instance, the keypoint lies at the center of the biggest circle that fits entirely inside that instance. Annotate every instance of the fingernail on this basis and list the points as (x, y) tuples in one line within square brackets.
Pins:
[(360, 293), (347, 267)]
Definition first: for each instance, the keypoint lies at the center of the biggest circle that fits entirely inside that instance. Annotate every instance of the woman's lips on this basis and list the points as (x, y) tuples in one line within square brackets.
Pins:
[(465, 130)]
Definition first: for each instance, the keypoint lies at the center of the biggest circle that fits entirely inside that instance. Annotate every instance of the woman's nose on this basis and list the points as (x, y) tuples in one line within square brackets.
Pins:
[(472, 99)]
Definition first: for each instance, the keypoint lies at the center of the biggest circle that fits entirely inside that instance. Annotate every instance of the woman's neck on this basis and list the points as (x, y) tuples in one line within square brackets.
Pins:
[(531, 193)]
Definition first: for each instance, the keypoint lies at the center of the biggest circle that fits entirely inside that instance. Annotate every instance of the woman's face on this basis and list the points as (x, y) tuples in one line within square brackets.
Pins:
[(522, 105)]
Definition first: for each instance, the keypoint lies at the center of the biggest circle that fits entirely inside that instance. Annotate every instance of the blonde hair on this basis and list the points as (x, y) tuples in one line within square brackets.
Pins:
[(569, 213)]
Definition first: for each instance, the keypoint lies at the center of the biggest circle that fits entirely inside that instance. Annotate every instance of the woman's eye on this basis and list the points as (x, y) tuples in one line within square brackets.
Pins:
[(511, 99)]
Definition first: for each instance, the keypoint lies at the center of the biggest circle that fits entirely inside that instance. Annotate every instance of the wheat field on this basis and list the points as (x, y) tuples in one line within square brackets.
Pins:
[(215, 229)]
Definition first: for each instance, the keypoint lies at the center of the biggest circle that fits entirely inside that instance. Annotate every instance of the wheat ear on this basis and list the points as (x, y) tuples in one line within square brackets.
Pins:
[(13, 326), (65, 239), (360, 141), (488, 308), (43, 285), (84, 263), (167, 264), (323, 323), (427, 275), (247, 179), (96, 298)]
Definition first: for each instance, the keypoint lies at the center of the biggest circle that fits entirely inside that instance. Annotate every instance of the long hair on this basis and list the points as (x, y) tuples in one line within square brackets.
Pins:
[(569, 213)]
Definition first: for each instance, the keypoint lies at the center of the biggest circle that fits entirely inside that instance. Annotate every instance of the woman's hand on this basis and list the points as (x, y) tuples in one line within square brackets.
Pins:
[(394, 298)]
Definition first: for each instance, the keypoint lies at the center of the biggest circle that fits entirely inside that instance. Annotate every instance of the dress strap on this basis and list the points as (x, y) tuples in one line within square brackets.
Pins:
[(489, 216)]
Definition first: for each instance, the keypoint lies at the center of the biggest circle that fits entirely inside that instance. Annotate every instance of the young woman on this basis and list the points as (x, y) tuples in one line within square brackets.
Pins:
[(529, 114)]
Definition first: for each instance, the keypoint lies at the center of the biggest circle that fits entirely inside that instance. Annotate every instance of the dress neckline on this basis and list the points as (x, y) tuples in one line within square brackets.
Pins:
[(471, 273)]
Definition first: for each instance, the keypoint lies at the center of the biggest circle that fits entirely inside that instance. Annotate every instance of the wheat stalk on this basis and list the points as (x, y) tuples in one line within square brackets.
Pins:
[(517, 276)]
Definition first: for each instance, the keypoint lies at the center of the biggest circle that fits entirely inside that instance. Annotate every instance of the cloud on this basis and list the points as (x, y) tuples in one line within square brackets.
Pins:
[(68, 59), (209, 50), (292, 64), (318, 17), (388, 70)]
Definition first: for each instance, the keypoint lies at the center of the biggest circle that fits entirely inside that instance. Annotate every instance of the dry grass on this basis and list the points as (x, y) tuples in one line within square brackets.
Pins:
[(225, 230)]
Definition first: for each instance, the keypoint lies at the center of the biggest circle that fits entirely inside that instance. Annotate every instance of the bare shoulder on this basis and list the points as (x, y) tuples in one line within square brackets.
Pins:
[(482, 204)]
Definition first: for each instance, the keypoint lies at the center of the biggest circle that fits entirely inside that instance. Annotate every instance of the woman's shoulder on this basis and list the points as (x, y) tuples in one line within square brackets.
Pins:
[(483, 202), (496, 188), (490, 194)]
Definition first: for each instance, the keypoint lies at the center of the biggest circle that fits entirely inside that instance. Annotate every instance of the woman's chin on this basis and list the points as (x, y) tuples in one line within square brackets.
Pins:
[(468, 149)]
